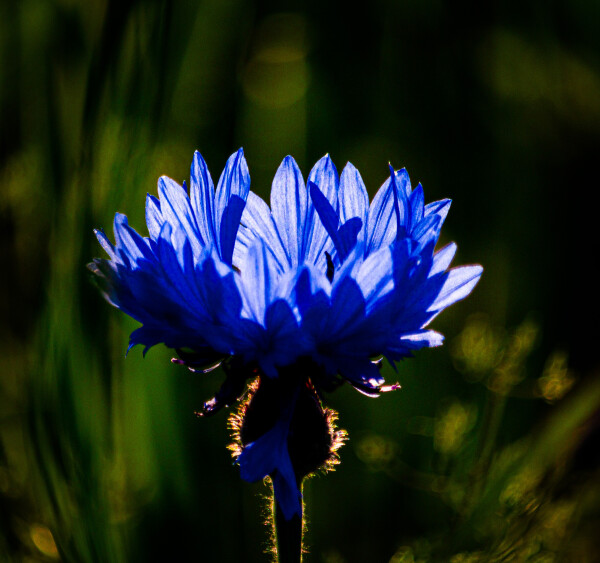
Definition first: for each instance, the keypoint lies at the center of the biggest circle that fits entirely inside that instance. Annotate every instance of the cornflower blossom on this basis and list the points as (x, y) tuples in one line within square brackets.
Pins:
[(302, 296)]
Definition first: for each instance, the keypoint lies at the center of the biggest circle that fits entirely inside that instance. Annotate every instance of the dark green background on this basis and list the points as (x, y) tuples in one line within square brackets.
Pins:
[(496, 105)]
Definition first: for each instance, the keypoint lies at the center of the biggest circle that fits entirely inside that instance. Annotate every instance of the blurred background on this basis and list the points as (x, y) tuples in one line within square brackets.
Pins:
[(490, 452)]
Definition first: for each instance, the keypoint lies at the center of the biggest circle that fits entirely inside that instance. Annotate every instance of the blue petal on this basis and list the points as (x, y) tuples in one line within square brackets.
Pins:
[(257, 281), (429, 226), (286, 491), (347, 237), (311, 291), (443, 258), (315, 240), (173, 264), (230, 221), (408, 343), (344, 238), (375, 276), (288, 205), (401, 187), (234, 181), (154, 218), (177, 211), (353, 197), (329, 218), (258, 218), (286, 340), (417, 204), (440, 208), (202, 197), (219, 293), (147, 335), (381, 225), (128, 241), (422, 338), (324, 175), (261, 457), (347, 307), (427, 232), (459, 283), (244, 239), (106, 244)]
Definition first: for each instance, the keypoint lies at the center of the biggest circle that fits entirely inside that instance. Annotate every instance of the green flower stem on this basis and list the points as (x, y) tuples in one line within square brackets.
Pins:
[(288, 536)]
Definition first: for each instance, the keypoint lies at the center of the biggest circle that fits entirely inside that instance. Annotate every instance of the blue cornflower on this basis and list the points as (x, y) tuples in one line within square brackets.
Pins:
[(305, 294), (179, 282), (362, 281)]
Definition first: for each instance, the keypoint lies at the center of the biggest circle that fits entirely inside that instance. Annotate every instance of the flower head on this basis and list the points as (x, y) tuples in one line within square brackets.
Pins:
[(179, 282), (304, 293)]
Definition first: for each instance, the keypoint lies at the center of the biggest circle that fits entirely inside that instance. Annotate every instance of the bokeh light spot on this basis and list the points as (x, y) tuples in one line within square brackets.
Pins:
[(42, 538)]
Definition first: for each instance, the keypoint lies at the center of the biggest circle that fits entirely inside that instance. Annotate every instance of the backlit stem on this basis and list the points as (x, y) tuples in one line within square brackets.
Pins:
[(288, 535)]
